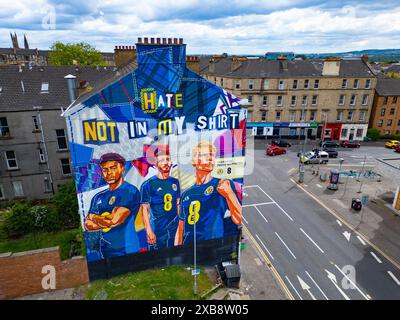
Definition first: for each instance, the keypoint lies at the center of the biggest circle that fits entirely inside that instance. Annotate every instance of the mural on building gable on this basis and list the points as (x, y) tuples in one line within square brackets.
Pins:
[(155, 153)]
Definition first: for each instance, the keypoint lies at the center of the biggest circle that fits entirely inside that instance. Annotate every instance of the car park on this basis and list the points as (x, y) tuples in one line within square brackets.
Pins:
[(314, 157), (392, 144), (275, 150), (281, 143), (350, 144)]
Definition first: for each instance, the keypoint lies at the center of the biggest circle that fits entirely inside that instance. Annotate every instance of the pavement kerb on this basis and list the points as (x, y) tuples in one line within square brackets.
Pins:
[(269, 264), (392, 260)]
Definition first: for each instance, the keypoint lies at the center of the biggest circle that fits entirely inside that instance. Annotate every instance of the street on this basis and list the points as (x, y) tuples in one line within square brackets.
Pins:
[(315, 254)]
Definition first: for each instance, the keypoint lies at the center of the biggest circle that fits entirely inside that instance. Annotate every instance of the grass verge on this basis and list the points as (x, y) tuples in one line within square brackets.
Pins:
[(42, 240), (170, 283)]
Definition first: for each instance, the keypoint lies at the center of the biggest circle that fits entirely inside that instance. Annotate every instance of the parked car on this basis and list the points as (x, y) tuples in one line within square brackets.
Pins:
[(397, 148), (313, 157), (332, 153), (329, 144), (275, 150), (350, 144), (281, 143), (392, 144)]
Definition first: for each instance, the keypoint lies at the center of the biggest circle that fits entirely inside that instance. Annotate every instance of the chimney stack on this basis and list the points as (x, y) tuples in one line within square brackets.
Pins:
[(125, 54), (236, 62), (365, 58), (71, 87), (193, 63)]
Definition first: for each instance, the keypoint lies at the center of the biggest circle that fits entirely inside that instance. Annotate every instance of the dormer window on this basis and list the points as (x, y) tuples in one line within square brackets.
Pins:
[(44, 87)]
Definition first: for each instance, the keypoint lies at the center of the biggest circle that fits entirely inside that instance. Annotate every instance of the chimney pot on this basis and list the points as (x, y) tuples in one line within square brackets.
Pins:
[(175, 40), (169, 40), (146, 40), (139, 40), (158, 41), (164, 40), (180, 40), (152, 40)]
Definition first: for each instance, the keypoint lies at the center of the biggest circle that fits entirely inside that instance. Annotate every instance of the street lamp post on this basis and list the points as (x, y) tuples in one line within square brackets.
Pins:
[(37, 108)]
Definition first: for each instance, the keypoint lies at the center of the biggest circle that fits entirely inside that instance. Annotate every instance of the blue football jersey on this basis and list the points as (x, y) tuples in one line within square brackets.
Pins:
[(122, 239), (162, 195), (205, 204)]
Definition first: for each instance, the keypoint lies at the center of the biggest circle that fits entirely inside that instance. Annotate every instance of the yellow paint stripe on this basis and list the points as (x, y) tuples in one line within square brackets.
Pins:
[(393, 261), (270, 265)]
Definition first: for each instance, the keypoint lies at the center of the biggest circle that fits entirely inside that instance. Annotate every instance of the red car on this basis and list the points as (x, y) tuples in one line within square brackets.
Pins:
[(275, 150), (350, 144), (397, 148)]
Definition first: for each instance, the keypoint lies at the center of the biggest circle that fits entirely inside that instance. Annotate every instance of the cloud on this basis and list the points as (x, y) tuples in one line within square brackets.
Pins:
[(238, 27)]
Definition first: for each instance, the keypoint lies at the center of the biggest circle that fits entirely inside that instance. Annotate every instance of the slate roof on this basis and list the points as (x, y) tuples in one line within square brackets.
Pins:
[(388, 87), (13, 98), (22, 51), (259, 68), (393, 68)]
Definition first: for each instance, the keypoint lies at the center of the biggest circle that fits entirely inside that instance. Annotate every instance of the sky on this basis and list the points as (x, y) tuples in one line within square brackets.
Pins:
[(207, 26)]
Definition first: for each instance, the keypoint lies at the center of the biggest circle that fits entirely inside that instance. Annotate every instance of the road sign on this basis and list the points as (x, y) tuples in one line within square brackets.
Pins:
[(195, 272), (364, 200)]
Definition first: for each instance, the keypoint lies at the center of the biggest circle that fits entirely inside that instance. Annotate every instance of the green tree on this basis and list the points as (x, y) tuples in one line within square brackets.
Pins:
[(374, 134), (82, 54), (66, 204), (393, 75)]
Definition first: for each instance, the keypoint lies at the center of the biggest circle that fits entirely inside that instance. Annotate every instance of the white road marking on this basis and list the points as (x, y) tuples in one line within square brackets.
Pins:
[(261, 214), (306, 287), (245, 220), (314, 243), (319, 186), (257, 204), (338, 222), (262, 243), (317, 285), (332, 277), (376, 258), (291, 170), (347, 235), (351, 281), (394, 278), (294, 288), (285, 245), (361, 240)]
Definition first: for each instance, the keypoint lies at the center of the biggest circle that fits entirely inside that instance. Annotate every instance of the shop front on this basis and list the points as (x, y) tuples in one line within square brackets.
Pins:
[(285, 130), (331, 131), (353, 131)]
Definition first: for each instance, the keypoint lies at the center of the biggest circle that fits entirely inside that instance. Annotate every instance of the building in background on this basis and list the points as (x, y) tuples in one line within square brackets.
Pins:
[(329, 98), (31, 99), (385, 115), (277, 55)]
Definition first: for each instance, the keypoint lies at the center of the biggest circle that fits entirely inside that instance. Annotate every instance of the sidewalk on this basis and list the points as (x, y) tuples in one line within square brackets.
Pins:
[(257, 279), (378, 222)]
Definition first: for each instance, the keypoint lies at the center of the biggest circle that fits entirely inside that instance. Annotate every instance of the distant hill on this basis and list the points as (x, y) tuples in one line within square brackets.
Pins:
[(376, 55)]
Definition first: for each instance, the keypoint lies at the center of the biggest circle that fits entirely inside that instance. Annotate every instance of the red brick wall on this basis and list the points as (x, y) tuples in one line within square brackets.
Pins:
[(21, 273)]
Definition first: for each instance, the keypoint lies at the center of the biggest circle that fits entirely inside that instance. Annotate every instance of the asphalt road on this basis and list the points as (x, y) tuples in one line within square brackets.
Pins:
[(316, 256)]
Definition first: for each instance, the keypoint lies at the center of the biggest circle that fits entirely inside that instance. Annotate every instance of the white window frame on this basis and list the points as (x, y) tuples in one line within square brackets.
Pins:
[(277, 101), (356, 83), (342, 102), (304, 102), (265, 84), (7, 129), (292, 116), (295, 84), (362, 116), (281, 85), (264, 115), (14, 183), (42, 156), (364, 101), (316, 100), (316, 84), (306, 81), (368, 84), (276, 116), (237, 84), (348, 115), (65, 137), (355, 100), (339, 118), (293, 103), (8, 159), (44, 88), (344, 83), (47, 185), (344, 132), (250, 84), (250, 99), (265, 100), (313, 115), (302, 115)]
